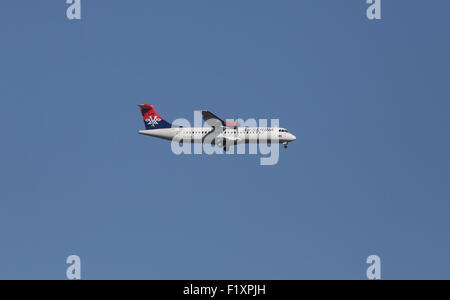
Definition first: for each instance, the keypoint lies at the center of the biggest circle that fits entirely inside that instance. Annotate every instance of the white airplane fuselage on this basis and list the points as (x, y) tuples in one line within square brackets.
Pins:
[(235, 135)]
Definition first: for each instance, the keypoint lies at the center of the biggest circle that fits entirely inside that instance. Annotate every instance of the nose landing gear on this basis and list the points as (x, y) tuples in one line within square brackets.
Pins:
[(285, 144)]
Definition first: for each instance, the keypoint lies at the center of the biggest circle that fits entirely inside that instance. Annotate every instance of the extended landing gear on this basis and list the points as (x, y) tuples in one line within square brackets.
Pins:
[(285, 145)]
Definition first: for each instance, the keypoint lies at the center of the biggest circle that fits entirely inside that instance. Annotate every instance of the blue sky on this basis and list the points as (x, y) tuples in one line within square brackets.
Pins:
[(368, 174)]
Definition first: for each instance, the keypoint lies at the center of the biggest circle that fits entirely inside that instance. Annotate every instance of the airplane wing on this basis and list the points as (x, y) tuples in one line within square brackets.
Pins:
[(212, 119), (215, 121)]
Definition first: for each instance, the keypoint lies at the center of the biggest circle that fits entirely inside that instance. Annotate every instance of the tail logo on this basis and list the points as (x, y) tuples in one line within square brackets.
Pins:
[(152, 121)]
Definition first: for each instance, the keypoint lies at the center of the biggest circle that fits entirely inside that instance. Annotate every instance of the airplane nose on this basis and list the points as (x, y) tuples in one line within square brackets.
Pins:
[(293, 138)]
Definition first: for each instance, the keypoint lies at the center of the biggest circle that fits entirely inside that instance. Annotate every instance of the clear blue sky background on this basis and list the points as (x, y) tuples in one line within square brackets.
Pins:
[(369, 173)]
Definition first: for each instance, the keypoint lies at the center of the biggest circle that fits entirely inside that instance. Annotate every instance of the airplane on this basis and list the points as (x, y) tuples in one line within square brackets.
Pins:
[(221, 133)]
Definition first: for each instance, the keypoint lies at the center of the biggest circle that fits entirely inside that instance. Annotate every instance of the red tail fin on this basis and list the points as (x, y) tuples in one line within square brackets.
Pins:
[(151, 118)]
